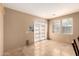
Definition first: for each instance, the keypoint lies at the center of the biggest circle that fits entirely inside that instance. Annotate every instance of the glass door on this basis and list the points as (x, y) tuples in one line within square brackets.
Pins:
[(40, 30), (36, 31)]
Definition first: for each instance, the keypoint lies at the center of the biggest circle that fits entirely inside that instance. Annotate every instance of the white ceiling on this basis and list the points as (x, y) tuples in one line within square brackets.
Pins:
[(45, 10)]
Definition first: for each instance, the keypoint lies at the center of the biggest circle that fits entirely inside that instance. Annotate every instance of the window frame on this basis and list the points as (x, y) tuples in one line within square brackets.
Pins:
[(53, 27), (61, 26), (71, 26)]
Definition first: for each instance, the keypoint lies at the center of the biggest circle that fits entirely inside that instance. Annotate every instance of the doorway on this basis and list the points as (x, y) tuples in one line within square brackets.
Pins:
[(40, 30)]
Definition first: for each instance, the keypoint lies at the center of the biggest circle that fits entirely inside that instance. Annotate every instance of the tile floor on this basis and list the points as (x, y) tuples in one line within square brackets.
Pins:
[(44, 48)]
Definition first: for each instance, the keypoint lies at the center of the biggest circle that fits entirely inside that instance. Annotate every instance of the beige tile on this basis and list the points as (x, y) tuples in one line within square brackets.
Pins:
[(45, 48)]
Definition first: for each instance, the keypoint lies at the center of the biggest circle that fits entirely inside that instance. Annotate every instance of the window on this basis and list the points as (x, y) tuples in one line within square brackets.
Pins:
[(64, 26), (67, 25), (56, 26)]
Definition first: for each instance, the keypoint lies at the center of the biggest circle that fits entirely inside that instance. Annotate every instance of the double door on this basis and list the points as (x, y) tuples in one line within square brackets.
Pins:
[(40, 30)]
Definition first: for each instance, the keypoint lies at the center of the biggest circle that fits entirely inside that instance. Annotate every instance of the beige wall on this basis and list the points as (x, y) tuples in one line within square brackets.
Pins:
[(1, 29), (16, 29), (64, 37)]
